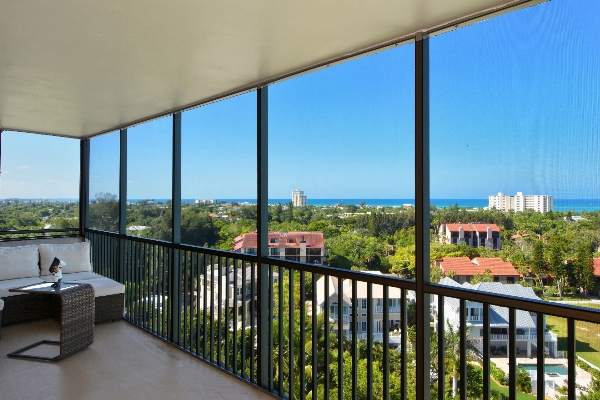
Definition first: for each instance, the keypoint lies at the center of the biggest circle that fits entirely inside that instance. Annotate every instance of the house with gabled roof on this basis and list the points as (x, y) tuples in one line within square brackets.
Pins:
[(463, 269), (473, 234), (527, 329)]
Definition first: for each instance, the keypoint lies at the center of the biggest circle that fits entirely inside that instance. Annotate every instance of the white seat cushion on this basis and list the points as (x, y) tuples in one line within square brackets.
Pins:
[(104, 286), (76, 255), (19, 262), (13, 283), (75, 276)]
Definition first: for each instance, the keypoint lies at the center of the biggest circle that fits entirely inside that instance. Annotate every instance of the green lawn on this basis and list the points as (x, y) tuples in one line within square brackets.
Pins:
[(504, 389), (587, 335)]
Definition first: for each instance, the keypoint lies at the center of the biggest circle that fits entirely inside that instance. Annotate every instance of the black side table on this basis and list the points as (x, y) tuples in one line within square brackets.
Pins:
[(76, 318)]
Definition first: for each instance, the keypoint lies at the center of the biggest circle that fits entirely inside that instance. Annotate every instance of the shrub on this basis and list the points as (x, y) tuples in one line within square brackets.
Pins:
[(523, 380), (498, 374)]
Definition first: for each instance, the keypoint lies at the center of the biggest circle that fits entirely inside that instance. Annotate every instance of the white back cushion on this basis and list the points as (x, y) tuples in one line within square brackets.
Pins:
[(19, 262), (76, 255)]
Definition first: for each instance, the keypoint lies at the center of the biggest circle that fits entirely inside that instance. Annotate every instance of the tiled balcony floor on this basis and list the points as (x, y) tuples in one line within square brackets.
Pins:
[(124, 362)]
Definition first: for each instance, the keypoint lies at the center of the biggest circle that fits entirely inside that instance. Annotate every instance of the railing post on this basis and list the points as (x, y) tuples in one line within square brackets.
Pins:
[(422, 222), (262, 225), (84, 186), (175, 285), (122, 202)]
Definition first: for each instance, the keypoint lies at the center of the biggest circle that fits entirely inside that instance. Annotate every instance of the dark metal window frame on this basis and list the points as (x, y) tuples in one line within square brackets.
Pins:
[(423, 288)]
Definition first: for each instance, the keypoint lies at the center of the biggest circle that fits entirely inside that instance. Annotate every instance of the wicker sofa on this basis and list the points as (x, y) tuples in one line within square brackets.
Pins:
[(26, 262)]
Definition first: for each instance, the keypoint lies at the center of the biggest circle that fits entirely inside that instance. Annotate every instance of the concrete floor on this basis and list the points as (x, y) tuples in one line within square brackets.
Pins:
[(124, 362)]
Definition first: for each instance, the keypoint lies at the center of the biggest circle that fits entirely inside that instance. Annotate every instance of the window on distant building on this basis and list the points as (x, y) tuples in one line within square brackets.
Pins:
[(363, 326)]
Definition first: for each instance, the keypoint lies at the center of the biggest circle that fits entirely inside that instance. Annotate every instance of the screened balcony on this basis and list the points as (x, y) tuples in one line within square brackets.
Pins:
[(132, 98)]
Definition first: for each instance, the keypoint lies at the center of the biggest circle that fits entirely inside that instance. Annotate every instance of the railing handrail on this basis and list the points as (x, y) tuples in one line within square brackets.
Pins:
[(320, 269), (518, 303), (66, 232)]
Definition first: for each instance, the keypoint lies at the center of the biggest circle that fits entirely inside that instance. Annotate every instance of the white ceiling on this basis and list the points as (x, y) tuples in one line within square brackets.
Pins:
[(79, 68)]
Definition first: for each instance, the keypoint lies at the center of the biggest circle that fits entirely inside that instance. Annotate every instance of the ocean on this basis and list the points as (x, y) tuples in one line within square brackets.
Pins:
[(574, 205)]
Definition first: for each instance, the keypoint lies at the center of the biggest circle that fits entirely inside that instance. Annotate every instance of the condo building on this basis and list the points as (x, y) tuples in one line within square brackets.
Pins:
[(521, 202), (474, 235), (308, 247), (298, 198)]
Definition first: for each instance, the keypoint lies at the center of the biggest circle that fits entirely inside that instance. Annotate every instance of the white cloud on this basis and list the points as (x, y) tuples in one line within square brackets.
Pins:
[(24, 167)]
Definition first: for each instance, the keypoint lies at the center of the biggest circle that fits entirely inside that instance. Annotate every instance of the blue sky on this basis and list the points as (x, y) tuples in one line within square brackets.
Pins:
[(515, 106)]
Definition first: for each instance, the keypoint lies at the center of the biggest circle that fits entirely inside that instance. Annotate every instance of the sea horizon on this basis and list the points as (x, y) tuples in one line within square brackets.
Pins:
[(574, 205)]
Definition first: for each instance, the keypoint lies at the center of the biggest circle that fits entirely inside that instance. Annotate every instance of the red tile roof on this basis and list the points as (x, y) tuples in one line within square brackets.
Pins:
[(287, 240), (462, 266)]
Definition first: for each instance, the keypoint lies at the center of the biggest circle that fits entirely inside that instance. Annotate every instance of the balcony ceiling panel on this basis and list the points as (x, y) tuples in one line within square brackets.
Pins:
[(80, 68)]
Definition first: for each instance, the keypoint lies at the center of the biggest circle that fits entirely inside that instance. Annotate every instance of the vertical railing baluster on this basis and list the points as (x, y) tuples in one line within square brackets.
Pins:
[(463, 349), (271, 332), (234, 322), (302, 328), (193, 299), (254, 291), (138, 292), (541, 352), (291, 333), (571, 358), (340, 326), (227, 312), (386, 343), (219, 309), (185, 269), (198, 270), (314, 336), (152, 290), (512, 354), (165, 291), (486, 351), (245, 308), (326, 371), (441, 328), (370, 305), (354, 340), (212, 308), (205, 264), (280, 331)]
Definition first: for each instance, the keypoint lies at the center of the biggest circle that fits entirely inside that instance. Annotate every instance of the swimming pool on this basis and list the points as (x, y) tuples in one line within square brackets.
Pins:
[(549, 369)]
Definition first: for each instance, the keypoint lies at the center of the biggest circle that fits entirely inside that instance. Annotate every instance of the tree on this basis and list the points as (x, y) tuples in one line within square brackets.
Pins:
[(403, 262), (104, 212), (485, 277), (557, 267), (538, 264), (584, 267), (523, 380)]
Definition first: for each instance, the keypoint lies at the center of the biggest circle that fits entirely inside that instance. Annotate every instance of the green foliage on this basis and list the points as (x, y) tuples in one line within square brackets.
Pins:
[(485, 277), (498, 374), (104, 212), (523, 380)]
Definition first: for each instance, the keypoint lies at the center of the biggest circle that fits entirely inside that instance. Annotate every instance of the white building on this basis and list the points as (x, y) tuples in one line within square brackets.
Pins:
[(521, 202), (298, 198), (363, 307)]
